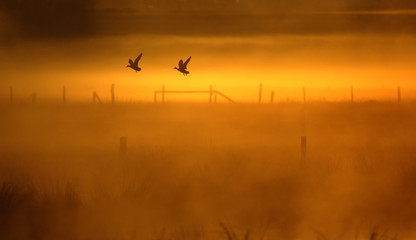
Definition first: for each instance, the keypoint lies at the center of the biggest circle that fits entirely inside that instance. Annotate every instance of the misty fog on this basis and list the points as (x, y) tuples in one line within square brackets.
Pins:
[(191, 169), (336, 73)]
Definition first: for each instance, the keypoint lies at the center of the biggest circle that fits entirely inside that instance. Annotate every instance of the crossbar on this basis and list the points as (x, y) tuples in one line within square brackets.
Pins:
[(182, 91), (163, 92)]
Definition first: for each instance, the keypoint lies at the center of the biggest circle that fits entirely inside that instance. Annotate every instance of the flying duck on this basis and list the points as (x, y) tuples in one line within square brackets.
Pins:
[(182, 66), (134, 65)]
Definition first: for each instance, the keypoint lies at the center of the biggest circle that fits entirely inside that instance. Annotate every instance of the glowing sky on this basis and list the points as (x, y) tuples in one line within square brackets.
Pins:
[(325, 47)]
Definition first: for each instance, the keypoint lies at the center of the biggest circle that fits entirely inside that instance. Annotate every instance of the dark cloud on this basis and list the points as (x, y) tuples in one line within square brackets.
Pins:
[(263, 5), (69, 18), (380, 5), (49, 17)]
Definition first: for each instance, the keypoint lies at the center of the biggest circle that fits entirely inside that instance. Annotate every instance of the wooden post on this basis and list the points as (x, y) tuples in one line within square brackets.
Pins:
[(155, 97), (304, 95), (210, 93), (11, 95), (123, 147), (352, 94), (399, 100), (272, 97), (98, 98), (163, 94), (64, 94), (95, 97), (303, 149), (112, 94), (260, 92), (34, 97)]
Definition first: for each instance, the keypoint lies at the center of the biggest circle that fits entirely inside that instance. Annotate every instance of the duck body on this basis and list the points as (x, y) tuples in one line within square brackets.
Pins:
[(135, 65), (184, 71), (137, 69), (182, 66)]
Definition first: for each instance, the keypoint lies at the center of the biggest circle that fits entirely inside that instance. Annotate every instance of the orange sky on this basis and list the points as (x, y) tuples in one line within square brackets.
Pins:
[(325, 65)]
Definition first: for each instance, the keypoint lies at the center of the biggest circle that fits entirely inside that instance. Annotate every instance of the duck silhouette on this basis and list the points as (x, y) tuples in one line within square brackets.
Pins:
[(134, 65), (182, 66)]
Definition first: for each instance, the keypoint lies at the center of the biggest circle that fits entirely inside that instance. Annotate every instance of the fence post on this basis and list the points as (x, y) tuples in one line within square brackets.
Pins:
[(11, 95), (352, 94), (272, 97), (399, 100), (163, 94), (303, 149), (304, 95), (34, 97), (112, 94), (210, 93), (123, 147), (260, 92), (64, 94), (95, 97)]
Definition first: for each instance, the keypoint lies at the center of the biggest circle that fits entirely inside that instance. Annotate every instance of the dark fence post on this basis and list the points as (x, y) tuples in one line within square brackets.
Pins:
[(95, 97), (34, 97), (123, 147), (303, 149), (64, 94), (11, 95), (210, 93), (163, 94), (399, 100), (304, 95), (113, 99), (260, 92), (272, 97)]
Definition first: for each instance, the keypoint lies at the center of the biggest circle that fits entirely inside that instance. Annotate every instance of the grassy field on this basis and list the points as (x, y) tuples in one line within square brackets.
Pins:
[(199, 171)]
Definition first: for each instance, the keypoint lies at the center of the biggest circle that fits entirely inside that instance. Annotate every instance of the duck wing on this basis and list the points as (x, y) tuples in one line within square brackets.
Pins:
[(136, 62), (180, 64), (187, 61), (131, 62)]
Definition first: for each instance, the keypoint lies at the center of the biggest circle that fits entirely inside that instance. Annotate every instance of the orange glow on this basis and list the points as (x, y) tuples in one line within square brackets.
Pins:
[(332, 158), (325, 65)]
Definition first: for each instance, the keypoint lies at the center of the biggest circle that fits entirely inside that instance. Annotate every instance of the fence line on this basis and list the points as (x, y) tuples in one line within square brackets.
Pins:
[(211, 93)]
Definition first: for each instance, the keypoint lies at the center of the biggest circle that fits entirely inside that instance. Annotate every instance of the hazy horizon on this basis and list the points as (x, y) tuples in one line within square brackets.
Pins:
[(333, 156), (326, 65)]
